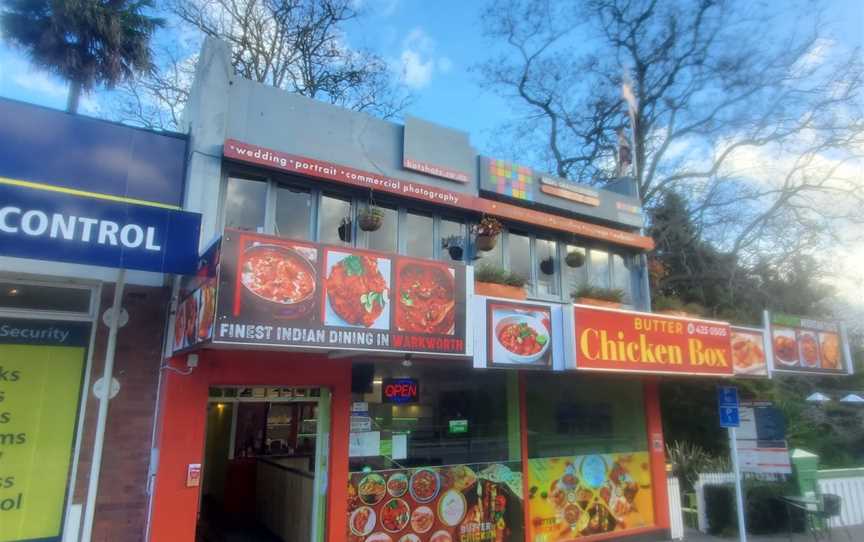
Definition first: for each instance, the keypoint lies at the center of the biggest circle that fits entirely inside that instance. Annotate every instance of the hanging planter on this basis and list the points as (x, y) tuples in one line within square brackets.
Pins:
[(547, 266), (486, 233), (345, 230), (370, 218), (575, 258), (454, 245)]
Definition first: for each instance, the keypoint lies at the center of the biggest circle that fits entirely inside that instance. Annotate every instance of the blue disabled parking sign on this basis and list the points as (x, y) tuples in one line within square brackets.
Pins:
[(727, 406)]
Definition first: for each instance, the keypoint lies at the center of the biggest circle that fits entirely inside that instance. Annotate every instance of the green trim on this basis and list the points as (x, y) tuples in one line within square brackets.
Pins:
[(840, 473)]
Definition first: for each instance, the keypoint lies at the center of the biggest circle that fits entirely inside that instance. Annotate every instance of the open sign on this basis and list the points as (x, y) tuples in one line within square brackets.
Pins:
[(400, 390)]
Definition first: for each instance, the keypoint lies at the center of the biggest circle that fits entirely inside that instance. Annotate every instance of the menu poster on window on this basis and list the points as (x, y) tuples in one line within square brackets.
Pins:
[(41, 368), (640, 342), (804, 345), (748, 352), (518, 335), (456, 503), (279, 292), (584, 495)]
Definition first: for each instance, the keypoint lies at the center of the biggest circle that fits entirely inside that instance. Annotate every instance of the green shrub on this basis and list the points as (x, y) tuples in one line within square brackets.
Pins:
[(720, 509)]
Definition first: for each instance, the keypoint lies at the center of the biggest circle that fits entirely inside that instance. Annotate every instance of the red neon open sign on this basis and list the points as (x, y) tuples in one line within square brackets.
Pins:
[(400, 390)]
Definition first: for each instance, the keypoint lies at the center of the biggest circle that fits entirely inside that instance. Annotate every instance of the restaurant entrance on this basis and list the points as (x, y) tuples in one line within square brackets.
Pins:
[(265, 452)]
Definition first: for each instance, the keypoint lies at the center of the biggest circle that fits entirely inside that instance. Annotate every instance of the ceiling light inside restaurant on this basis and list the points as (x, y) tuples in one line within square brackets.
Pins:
[(818, 398), (852, 398), (13, 292)]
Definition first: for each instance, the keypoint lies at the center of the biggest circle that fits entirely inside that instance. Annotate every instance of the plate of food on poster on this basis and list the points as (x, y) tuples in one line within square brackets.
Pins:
[(519, 334), (358, 291), (785, 346), (450, 503), (425, 298)]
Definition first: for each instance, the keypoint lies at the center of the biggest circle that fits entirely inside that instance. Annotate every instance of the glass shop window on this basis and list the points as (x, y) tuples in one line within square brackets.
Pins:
[(418, 235), (574, 276), (293, 212), (334, 221), (17, 295), (622, 277), (572, 416), (546, 256), (489, 257), (599, 268), (519, 253), (385, 237), (245, 204), (452, 244), (458, 416)]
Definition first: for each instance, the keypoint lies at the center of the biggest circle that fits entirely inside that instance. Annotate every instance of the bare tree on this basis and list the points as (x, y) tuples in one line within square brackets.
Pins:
[(719, 83), (296, 45)]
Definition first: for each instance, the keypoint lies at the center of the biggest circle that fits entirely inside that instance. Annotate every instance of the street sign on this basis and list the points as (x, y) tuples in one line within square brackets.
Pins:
[(727, 406)]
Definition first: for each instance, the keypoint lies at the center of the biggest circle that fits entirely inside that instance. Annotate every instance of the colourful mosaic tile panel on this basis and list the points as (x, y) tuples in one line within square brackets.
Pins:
[(511, 179)]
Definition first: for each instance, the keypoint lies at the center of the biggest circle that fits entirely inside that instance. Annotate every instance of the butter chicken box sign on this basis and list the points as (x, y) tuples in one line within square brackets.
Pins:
[(617, 340), (278, 292), (805, 345)]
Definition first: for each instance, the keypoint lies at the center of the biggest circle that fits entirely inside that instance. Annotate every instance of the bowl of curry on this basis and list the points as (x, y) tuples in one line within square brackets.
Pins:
[(279, 277), (523, 339), (426, 299)]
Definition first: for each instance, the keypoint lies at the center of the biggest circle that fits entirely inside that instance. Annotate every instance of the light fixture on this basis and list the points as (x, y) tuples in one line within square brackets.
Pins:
[(13, 292), (407, 361), (852, 398), (378, 380), (818, 398)]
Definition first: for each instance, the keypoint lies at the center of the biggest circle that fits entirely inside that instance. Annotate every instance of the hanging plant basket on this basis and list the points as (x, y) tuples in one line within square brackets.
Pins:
[(455, 252), (547, 266), (486, 242), (345, 230), (370, 219), (574, 259)]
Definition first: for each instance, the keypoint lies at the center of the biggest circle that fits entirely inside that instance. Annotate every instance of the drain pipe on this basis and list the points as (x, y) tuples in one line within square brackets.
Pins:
[(107, 376)]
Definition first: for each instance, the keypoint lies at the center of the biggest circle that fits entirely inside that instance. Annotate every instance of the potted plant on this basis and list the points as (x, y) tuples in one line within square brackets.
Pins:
[(575, 258), (494, 281), (671, 305), (486, 233), (454, 245), (599, 297), (345, 230), (370, 218)]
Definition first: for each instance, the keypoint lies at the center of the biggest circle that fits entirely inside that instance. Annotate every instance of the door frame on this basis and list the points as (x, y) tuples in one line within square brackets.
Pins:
[(182, 422)]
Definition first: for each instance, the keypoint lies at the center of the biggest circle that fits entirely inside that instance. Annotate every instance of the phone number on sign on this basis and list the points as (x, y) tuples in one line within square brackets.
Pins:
[(702, 329)]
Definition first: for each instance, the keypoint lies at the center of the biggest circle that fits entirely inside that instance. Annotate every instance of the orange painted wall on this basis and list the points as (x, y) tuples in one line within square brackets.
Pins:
[(657, 450), (182, 421)]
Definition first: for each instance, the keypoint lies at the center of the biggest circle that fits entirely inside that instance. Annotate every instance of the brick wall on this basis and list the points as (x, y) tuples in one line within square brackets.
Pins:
[(122, 500)]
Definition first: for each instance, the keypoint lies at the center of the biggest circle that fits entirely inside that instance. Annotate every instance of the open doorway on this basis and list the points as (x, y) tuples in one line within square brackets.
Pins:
[(265, 462)]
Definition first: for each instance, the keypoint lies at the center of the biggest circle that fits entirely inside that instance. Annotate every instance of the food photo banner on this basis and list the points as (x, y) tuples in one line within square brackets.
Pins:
[(278, 292), (748, 351), (804, 345), (455, 503), (517, 335), (617, 340)]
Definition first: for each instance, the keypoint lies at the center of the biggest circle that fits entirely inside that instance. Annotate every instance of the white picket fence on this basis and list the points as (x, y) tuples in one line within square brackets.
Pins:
[(676, 516), (851, 492), (849, 488)]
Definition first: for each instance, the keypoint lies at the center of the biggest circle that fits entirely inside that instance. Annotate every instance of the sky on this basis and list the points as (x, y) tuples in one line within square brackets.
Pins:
[(432, 48)]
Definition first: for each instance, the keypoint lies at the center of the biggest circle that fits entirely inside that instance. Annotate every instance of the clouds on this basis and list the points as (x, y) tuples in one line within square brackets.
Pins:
[(418, 62)]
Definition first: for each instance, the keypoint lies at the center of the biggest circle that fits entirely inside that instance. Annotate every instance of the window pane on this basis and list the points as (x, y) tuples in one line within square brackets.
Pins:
[(384, 238), (547, 267), (418, 235), (574, 277), (621, 276), (14, 295), (455, 232), (599, 268), (245, 202), (574, 416), (293, 212), (519, 251), (491, 257), (486, 429), (334, 221)]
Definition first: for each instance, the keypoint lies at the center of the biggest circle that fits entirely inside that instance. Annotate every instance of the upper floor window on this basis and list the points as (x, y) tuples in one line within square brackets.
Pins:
[(335, 226), (245, 204), (417, 230), (293, 212)]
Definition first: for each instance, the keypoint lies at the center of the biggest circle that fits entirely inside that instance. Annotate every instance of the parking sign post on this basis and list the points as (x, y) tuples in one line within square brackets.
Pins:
[(728, 408)]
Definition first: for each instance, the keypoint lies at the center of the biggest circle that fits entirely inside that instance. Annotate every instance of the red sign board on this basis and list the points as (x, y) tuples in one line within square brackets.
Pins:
[(614, 340), (319, 169)]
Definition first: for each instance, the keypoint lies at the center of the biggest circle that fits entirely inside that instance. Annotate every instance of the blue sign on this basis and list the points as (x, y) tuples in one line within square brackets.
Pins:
[(727, 406), (57, 226)]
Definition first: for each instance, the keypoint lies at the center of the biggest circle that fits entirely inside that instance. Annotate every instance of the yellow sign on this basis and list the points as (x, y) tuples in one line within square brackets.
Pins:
[(584, 495), (41, 365)]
